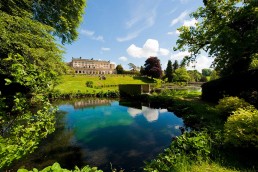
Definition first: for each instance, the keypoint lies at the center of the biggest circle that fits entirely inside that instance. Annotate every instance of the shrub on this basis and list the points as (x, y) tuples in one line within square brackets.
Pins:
[(227, 105), (241, 128), (188, 148), (89, 84), (57, 168)]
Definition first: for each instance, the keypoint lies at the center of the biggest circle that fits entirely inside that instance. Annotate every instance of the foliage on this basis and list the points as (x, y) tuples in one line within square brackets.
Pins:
[(243, 85), (30, 65), (169, 70), (227, 105), (195, 75), (119, 69), (254, 63), (64, 16), (181, 75), (241, 128), (152, 67), (180, 93), (132, 66), (186, 149), (214, 75), (204, 79), (57, 168), (29, 55), (206, 72), (142, 71), (227, 31), (20, 134), (175, 65), (89, 84)]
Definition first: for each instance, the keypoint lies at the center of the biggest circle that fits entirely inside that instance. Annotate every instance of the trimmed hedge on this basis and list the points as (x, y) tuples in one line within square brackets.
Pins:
[(243, 85)]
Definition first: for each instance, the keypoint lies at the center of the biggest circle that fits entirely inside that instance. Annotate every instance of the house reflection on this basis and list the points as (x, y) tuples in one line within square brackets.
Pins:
[(91, 103), (149, 113)]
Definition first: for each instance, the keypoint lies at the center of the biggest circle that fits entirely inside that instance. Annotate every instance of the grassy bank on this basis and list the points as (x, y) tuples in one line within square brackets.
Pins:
[(209, 146), (77, 83)]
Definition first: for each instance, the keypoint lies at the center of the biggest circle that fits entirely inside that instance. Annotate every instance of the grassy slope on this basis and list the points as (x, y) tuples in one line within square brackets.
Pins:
[(70, 83)]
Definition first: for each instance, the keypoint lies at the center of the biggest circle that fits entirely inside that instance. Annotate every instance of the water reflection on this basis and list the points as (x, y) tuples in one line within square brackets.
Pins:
[(91, 103), (101, 132), (149, 113)]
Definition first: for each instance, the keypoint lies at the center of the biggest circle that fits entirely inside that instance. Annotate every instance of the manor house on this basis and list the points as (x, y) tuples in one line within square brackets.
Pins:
[(90, 66)]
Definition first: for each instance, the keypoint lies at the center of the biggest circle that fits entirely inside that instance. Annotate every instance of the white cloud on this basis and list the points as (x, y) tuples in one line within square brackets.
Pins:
[(105, 49), (174, 33), (150, 114), (128, 37), (143, 17), (180, 18), (134, 112), (191, 22), (164, 52), (179, 56), (150, 48), (87, 32), (91, 34), (202, 62), (123, 58), (98, 38)]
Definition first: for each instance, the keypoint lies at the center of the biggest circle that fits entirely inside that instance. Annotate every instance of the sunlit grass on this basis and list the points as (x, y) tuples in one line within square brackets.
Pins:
[(210, 167), (75, 83)]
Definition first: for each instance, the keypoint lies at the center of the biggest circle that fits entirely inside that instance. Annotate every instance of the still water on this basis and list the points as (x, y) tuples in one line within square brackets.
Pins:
[(104, 132)]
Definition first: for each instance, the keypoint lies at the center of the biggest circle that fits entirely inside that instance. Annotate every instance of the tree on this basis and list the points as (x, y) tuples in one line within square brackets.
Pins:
[(206, 72), (132, 66), (30, 65), (227, 31), (169, 71), (152, 67), (195, 75), (64, 16), (181, 75), (119, 69), (175, 65), (214, 75), (142, 71)]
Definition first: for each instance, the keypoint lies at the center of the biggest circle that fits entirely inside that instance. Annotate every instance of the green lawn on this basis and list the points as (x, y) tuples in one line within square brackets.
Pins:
[(75, 83)]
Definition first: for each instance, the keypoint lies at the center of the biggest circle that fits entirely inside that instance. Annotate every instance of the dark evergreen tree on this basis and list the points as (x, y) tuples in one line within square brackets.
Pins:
[(142, 70), (175, 65), (169, 71)]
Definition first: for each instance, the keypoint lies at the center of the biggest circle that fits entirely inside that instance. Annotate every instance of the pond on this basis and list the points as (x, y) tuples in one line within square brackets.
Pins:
[(105, 133)]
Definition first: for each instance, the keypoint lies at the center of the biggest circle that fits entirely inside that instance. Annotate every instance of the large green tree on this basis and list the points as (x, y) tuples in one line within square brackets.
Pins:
[(181, 75), (227, 31), (64, 16), (30, 64)]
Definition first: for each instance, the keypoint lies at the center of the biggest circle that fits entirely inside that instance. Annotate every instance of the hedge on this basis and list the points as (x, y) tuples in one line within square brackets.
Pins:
[(243, 85)]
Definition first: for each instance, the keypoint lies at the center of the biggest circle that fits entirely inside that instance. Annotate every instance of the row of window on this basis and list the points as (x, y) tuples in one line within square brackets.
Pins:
[(93, 72)]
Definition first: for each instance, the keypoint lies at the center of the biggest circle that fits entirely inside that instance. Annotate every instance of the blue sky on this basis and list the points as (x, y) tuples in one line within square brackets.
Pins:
[(129, 31)]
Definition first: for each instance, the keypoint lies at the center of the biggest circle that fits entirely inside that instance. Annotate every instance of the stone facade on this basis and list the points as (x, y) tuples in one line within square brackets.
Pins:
[(92, 67)]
